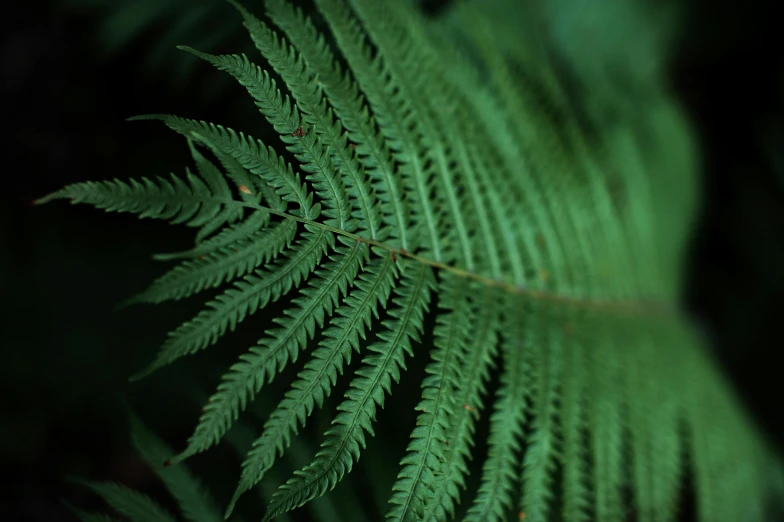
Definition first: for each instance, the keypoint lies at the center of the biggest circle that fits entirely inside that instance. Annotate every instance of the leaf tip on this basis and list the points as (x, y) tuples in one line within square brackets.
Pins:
[(145, 372), (47, 198), (143, 117)]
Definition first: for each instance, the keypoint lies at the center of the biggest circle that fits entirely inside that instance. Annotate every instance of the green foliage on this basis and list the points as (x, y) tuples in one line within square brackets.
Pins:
[(195, 502), (483, 176), (157, 26)]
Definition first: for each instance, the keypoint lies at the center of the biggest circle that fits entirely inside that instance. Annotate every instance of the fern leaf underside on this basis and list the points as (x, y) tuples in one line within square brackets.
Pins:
[(437, 160)]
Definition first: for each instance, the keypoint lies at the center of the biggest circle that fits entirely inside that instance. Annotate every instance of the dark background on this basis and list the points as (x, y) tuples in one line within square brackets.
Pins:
[(66, 353)]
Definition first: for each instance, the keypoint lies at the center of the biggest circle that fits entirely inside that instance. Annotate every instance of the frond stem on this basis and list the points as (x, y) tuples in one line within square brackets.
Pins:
[(621, 306)]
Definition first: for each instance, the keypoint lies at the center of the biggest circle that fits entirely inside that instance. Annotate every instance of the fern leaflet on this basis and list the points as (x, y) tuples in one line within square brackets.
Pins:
[(321, 371), (341, 448)]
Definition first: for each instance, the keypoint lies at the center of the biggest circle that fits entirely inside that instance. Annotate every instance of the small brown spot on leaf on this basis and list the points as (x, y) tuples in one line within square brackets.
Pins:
[(298, 133), (244, 189), (472, 410)]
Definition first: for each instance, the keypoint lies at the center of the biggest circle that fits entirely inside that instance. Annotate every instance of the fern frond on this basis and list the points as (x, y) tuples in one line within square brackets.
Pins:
[(497, 202), (132, 504), (393, 115), (511, 215), (219, 187), (305, 145), (667, 456), (468, 405), (575, 403), (306, 90), (607, 418), (233, 170), (530, 197), (250, 154), (641, 392), (217, 267), (194, 500), (230, 234), (539, 459), (425, 455), (196, 503), (232, 307), (344, 440), (272, 353), (499, 472), (473, 149), (316, 380), (406, 59), (347, 104), (192, 202), (516, 126), (244, 182)]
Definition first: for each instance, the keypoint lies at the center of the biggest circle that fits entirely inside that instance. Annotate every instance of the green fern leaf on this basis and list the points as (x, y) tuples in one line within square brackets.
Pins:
[(506, 426), (233, 170), (134, 505), (405, 60), (215, 180), (272, 353), (666, 454), (230, 262), (393, 115), (315, 381), (251, 154), (232, 307), (543, 204), (468, 404), (341, 447), (349, 105), (425, 453), (607, 421), (317, 112), (194, 500), (574, 413), (192, 203), (306, 90), (229, 235), (541, 444), (306, 146)]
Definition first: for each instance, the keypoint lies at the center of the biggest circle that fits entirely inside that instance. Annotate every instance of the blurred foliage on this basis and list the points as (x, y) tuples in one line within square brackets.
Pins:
[(159, 26)]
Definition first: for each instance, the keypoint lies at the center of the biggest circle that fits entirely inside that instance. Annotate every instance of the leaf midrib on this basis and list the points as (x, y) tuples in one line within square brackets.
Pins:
[(641, 306)]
